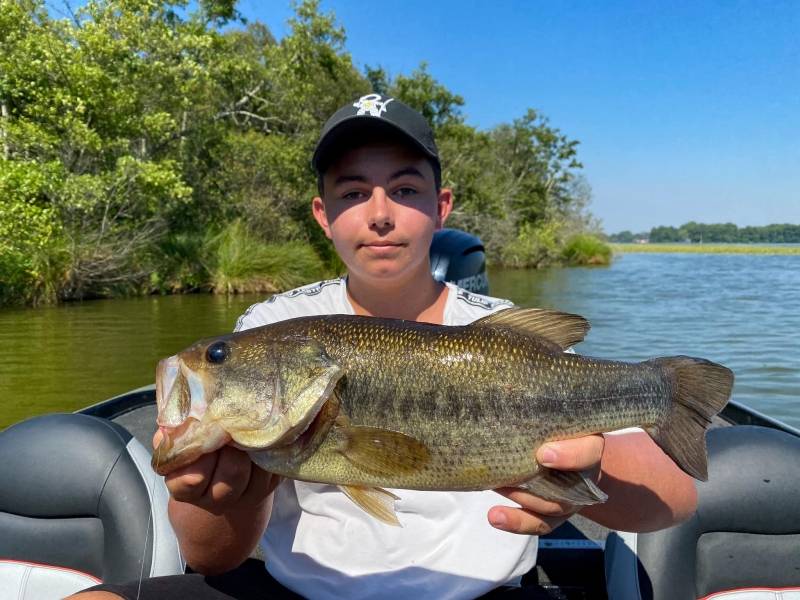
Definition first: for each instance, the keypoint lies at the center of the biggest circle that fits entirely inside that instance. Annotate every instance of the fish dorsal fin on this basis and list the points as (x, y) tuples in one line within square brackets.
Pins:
[(563, 329)]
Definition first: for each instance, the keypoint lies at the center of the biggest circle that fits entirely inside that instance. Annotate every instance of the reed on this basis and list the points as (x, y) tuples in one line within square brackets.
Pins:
[(584, 249), (707, 249), (240, 262)]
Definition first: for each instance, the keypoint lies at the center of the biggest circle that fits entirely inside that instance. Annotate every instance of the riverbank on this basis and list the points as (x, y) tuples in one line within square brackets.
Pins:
[(707, 249), (234, 260)]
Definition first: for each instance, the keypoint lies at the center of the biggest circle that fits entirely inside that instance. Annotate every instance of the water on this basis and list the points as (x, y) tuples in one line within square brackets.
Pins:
[(740, 310), (65, 357)]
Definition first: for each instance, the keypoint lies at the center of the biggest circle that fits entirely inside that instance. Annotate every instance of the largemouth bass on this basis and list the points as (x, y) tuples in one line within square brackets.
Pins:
[(367, 403)]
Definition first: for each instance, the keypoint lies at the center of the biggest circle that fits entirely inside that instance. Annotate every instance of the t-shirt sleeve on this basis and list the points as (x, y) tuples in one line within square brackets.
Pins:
[(261, 313)]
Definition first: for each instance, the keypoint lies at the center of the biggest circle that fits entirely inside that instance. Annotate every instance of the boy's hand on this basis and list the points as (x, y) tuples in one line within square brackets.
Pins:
[(536, 515), (220, 481)]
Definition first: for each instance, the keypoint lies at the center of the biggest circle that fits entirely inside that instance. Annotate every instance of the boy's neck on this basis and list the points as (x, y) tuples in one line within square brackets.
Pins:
[(421, 301)]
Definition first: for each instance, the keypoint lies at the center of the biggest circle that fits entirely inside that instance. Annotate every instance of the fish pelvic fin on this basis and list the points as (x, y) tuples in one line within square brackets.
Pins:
[(575, 487), (701, 390), (376, 501), (562, 329)]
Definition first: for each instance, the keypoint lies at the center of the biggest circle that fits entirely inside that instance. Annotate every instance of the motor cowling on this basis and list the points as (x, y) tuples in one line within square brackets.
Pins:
[(460, 258)]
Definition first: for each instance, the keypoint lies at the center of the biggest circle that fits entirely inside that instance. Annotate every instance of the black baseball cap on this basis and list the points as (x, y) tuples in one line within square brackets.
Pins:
[(367, 115)]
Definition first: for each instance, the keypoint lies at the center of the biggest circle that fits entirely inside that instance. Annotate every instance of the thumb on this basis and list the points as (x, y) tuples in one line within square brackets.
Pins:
[(578, 454)]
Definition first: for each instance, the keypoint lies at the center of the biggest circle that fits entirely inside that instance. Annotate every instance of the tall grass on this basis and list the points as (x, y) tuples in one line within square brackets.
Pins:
[(584, 249), (34, 278), (240, 262), (708, 248), (181, 266)]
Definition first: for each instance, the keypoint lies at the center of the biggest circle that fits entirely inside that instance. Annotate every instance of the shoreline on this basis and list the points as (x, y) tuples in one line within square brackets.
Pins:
[(763, 249)]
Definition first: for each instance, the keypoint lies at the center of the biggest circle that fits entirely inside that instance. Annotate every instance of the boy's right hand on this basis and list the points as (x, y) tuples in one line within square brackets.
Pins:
[(221, 481)]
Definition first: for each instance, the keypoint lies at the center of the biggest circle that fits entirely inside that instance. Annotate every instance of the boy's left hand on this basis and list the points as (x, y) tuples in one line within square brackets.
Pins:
[(537, 516)]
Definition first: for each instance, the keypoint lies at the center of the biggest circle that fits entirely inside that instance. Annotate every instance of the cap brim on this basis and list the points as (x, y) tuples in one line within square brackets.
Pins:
[(349, 131)]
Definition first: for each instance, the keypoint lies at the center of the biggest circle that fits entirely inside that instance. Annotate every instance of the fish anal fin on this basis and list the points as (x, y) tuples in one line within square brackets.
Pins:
[(382, 451), (563, 329), (376, 501), (574, 487)]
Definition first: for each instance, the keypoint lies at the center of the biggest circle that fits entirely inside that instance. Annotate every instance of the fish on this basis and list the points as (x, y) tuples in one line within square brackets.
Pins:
[(368, 403)]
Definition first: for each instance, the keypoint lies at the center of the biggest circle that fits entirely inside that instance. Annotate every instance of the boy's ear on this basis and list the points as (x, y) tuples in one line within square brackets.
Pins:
[(444, 206), (318, 210)]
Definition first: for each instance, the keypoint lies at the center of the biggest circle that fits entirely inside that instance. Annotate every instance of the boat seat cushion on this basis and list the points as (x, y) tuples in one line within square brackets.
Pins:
[(80, 504), (31, 581), (757, 594), (744, 535)]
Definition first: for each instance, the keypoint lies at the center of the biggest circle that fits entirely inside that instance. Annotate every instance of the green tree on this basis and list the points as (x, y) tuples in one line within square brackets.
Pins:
[(133, 134)]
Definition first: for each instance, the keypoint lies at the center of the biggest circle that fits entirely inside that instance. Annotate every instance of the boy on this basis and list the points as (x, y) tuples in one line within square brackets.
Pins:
[(380, 200)]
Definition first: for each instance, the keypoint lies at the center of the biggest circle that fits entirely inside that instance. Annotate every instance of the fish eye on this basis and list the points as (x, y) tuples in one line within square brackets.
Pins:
[(217, 352)]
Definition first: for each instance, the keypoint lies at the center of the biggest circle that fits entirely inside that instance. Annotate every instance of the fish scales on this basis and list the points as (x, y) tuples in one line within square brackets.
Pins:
[(453, 405)]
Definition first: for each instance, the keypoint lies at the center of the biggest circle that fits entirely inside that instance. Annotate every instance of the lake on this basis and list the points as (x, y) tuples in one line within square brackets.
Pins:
[(740, 310)]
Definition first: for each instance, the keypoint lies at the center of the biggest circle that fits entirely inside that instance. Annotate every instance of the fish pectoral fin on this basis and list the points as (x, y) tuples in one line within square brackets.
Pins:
[(563, 329), (376, 501), (382, 451), (574, 487)]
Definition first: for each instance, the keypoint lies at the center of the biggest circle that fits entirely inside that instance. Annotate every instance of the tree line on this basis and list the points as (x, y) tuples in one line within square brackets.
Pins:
[(725, 233), (145, 148)]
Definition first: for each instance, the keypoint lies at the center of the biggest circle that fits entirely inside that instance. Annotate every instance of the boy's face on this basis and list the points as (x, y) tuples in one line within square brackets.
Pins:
[(380, 209)]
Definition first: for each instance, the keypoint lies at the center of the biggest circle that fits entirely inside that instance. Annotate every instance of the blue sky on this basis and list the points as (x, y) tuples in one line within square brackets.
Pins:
[(685, 110)]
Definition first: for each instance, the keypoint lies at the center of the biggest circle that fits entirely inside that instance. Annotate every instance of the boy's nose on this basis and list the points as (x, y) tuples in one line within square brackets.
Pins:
[(380, 212)]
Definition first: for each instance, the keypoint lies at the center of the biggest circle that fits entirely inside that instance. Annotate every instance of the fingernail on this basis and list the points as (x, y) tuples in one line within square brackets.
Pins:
[(547, 456), (498, 519)]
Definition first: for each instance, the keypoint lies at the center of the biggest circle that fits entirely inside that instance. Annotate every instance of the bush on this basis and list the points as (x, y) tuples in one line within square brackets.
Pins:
[(240, 262), (32, 258), (181, 267), (534, 247), (585, 249)]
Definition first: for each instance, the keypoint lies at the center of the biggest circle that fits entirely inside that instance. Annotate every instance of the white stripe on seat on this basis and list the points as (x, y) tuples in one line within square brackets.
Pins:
[(21, 580)]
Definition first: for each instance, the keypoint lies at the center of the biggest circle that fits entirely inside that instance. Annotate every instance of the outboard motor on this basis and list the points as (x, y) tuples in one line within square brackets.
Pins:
[(459, 257)]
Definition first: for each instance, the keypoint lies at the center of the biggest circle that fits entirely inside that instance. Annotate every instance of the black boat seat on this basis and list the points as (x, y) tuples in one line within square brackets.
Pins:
[(75, 508), (744, 540)]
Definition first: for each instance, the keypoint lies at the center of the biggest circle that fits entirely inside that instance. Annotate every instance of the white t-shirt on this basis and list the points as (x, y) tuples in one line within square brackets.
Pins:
[(321, 545)]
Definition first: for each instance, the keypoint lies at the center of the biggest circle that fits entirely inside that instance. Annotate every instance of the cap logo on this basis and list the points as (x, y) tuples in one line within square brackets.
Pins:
[(372, 105)]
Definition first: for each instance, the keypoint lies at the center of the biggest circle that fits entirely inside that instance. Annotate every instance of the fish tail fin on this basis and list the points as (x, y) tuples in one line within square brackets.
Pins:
[(701, 389)]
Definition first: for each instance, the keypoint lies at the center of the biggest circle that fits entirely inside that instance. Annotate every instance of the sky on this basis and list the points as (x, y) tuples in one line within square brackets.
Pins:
[(685, 110)]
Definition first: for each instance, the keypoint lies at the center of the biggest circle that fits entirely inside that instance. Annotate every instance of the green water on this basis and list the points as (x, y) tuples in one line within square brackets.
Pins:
[(743, 311)]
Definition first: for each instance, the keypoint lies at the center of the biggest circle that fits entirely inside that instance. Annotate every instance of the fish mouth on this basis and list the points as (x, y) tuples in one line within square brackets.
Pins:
[(180, 393), (184, 444), (166, 375), (181, 398)]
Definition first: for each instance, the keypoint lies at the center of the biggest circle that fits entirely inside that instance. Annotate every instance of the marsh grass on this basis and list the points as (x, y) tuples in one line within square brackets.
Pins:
[(584, 249), (239, 262), (707, 249)]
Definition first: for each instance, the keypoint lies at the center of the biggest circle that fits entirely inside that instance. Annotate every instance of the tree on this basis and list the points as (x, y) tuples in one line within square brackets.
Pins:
[(133, 133)]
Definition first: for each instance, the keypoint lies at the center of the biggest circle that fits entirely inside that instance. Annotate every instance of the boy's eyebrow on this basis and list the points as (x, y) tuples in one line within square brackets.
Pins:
[(349, 178), (407, 171), (396, 175)]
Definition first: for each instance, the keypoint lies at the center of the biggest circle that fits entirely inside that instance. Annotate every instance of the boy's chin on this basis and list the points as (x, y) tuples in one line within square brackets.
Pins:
[(386, 271)]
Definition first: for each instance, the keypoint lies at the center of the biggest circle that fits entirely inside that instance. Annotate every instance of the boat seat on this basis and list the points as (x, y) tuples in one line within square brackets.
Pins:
[(744, 540), (75, 508)]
